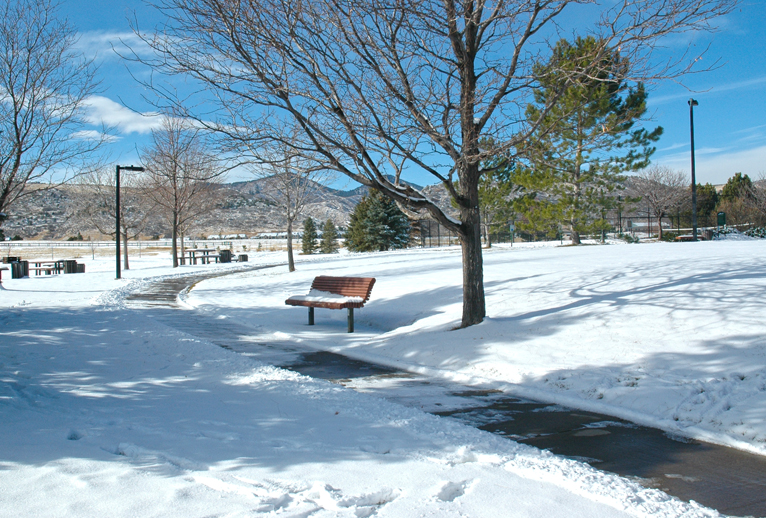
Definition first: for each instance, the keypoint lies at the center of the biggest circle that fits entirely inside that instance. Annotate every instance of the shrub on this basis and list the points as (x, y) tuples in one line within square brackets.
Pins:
[(759, 232)]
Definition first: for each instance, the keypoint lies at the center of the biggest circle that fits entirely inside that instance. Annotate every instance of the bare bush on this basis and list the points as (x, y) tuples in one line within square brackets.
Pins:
[(662, 189)]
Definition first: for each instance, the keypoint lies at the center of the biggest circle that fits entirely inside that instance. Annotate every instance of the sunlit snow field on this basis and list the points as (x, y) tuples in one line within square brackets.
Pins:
[(106, 411)]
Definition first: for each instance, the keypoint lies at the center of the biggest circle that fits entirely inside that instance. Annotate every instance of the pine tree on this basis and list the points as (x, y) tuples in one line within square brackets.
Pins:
[(377, 224), (496, 194), (738, 186), (707, 201), (587, 139), (309, 242), (329, 238), (356, 233)]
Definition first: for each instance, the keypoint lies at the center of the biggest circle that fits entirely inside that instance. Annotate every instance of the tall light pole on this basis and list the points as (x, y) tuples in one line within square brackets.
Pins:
[(117, 210), (692, 104)]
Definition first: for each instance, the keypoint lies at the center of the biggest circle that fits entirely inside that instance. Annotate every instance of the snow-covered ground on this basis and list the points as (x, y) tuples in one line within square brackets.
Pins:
[(107, 412)]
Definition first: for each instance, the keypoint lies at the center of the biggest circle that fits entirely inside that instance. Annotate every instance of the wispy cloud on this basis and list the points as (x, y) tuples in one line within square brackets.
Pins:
[(104, 111), (673, 146), (663, 99), (101, 45), (93, 135), (717, 166), (749, 130)]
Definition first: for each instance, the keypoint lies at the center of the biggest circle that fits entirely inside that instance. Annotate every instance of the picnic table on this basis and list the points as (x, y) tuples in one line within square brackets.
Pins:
[(48, 267), (203, 254)]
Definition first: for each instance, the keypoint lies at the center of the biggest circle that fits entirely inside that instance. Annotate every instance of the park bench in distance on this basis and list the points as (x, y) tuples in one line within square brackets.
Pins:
[(335, 293)]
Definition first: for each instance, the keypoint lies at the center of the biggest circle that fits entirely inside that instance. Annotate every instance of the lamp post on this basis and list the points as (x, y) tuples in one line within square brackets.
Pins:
[(692, 104), (117, 210)]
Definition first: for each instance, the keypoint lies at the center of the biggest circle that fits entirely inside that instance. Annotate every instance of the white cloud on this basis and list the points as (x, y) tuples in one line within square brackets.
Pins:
[(101, 45), (718, 165), (739, 85), (104, 111), (93, 135), (672, 147)]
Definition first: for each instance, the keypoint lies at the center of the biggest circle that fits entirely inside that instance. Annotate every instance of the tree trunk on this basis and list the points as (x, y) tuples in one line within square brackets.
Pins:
[(174, 244), (290, 259), (489, 237), (126, 265), (469, 232), (659, 225), (575, 236)]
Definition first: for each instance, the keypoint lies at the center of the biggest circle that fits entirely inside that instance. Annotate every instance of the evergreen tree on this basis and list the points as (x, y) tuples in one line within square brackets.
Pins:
[(377, 224), (309, 242), (738, 186), (355, 233), (707, 201), (736, 200), (574, 164), (496, 193), (329, 238)]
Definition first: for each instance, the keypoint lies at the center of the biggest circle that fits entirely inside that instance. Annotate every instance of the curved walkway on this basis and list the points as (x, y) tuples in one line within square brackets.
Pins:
[(729, 480)]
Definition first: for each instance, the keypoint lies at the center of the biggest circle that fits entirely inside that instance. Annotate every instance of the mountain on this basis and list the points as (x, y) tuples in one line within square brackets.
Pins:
[(54, 213)]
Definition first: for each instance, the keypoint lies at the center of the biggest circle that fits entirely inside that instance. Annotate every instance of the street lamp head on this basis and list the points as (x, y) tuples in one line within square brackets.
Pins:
[(131, 168), (693, 102)]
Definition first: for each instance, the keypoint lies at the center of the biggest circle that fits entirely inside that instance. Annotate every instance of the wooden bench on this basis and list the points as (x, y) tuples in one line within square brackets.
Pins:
[(335, 293)]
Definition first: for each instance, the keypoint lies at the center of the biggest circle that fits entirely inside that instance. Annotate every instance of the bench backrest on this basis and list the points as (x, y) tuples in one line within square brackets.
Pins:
[(345, 286)]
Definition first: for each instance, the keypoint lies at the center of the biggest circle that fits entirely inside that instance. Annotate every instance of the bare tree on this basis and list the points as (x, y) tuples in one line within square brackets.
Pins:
[(661, 188), (44, 87), (180, 175), (385, 89), (96, 205), (291, 183), (756, 199)]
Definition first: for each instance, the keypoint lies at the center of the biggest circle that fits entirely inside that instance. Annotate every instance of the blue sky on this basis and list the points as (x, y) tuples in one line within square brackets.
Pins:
[(730, 121)]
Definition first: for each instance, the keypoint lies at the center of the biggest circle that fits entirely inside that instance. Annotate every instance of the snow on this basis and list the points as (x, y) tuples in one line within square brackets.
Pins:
[(325, 296), (108, 411)]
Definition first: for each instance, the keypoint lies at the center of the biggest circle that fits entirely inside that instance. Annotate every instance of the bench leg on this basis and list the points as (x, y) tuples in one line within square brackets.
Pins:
[(350, 320), (311, 316)]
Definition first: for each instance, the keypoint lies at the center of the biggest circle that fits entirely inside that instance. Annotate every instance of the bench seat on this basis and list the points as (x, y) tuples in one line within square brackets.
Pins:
[(47, 269), (335, 293)]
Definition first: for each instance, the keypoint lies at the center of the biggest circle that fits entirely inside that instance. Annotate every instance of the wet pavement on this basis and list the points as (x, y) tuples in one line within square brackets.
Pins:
[(729, 480)]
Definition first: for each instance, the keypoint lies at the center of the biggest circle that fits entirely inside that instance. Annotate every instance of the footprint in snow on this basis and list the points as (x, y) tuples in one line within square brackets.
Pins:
[(75, 435), (452, 490)]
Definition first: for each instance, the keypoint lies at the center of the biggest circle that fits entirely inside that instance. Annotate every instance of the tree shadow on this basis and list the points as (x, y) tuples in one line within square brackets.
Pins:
[(114, 385)]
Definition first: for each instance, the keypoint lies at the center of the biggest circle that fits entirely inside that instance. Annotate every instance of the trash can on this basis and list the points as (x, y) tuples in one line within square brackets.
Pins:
[(70, 266), (19, 269), (80, 268), (225, 256), (242, 258)]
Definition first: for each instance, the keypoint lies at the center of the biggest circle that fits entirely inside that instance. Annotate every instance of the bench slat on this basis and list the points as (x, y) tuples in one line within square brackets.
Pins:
[(351, 287), (360, 287), (345, 286)]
